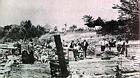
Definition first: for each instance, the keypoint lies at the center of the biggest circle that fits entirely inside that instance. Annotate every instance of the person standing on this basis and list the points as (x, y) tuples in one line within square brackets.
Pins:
[(72, 48), (126, 48), (75, 51), (84, 46), (112, 43), (103, 43), (31, 57), (25, 57), (31, 53), (120, 46), (79, 50), (72, 44)]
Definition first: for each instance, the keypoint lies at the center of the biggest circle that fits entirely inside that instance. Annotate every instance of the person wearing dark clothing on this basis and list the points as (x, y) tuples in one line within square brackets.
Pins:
[(123, 48), (84, 46), (31, 57), (24, 57), (71, 47), (126, 48), (75, 52), (120, 44), (78, 43), (112, 43), (72, 44)]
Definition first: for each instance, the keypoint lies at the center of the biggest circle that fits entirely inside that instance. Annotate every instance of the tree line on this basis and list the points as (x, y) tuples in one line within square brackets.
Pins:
[(26, 30), (127, 24), (108, 27)]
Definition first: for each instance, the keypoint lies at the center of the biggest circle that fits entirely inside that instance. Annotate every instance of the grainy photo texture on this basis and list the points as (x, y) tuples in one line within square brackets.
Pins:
[(69, 39)]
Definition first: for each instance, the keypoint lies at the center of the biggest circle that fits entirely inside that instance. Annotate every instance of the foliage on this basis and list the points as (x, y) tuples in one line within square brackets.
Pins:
[(89, 20), (129, 11), (23, 31), (127, 23), (73, 27), (99, 22), (108, 27), (1, 32)]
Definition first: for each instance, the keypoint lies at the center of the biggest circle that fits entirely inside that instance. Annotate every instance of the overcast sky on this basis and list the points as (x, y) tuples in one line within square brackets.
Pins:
[(55, 12)]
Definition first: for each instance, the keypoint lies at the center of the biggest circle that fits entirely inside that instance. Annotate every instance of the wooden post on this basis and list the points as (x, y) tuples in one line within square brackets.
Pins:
[(61, 58), (139, 19)]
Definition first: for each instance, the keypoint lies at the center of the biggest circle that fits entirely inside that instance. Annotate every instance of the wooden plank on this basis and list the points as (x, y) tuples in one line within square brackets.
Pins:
[(61, 58)]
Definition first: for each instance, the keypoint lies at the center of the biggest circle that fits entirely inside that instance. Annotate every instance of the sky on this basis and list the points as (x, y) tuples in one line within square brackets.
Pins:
[(55, 12)]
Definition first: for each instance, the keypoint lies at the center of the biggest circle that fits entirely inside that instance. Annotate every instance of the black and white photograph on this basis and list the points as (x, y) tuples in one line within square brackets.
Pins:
[(69, 39)]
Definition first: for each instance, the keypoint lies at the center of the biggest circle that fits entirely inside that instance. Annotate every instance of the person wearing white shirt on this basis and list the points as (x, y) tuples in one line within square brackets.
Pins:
[(103, 44)]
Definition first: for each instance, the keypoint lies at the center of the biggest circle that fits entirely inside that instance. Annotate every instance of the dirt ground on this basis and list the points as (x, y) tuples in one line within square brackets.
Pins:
[(90, 67)]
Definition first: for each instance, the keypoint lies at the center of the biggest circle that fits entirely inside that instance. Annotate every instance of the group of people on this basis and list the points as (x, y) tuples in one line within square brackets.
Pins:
[(79, 49), (107, 44), (43, 51), (120, 45)]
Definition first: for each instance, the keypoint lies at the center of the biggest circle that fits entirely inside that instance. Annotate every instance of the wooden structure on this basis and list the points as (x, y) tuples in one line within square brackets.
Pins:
[(59, 67)]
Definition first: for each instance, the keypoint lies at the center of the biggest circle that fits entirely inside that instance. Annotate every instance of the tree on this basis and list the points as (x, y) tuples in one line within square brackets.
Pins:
[(26, 28), (129, 11), (6, 30), (1, 32), (110, 26), (73, 27), (13, 33), (24, 31), (89, 20), (26, 24), (40, 30), (99, 22)]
